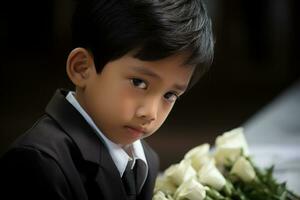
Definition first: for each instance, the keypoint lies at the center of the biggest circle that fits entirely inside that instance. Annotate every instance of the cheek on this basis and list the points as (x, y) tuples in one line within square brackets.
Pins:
[(126, 103), (163, 113)]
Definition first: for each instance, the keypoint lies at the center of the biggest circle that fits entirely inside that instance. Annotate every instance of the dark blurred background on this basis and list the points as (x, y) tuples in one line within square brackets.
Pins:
[(255, 60)]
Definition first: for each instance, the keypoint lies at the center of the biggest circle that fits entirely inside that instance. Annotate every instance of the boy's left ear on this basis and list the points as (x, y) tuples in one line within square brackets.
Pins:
[(80, 66)]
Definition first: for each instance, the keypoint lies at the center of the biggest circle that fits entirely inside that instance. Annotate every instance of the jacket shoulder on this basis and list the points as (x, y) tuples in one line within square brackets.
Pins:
[(48, 137)]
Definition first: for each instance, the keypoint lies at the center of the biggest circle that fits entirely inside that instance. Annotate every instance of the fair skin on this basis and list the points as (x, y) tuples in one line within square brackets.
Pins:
[(130, 98)]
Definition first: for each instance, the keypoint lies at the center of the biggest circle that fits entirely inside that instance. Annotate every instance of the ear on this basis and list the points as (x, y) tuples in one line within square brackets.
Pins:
[(80, 66)]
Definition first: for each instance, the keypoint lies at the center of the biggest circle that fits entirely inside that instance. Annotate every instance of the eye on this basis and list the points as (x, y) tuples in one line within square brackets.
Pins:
[(171, 97), (139, 83)]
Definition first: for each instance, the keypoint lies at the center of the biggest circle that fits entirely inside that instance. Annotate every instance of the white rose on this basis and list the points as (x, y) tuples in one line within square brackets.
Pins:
[(227, 155), (234, 139), (165, 185), (191, 190), (230, 146), (211, 176), (243, 169), (181, 172), (199, 156), (161, 196)]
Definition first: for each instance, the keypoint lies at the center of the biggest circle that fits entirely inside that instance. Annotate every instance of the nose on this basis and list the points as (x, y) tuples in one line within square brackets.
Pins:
[(148, 110)]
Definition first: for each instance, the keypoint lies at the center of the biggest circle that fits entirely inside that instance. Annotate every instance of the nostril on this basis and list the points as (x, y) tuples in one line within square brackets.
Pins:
[(147, 111), (147, 120)]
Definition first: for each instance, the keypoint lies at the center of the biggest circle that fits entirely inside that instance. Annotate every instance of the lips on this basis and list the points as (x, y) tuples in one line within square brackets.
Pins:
[(135, 132)]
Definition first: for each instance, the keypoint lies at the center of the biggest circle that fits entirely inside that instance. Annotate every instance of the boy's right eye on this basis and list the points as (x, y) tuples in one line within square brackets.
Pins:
[(139, 83)]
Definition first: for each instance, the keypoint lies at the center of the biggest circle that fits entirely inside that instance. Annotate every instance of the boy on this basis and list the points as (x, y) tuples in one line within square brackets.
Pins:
[(131, 60)]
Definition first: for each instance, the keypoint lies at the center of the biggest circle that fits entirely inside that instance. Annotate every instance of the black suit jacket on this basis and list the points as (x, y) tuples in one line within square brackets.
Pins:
[(61, 157)]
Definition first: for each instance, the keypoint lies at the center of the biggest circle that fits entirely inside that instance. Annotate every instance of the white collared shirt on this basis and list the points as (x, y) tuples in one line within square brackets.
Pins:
[(119, 156)]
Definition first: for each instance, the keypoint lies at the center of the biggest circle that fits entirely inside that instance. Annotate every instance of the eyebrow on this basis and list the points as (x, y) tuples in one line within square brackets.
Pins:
[(150, 73)]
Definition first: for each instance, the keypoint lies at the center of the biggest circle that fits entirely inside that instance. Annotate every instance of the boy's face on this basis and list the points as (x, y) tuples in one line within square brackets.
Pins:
[(130, 99)]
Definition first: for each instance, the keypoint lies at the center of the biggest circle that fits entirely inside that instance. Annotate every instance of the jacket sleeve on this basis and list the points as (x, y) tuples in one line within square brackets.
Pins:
[(27, 173)]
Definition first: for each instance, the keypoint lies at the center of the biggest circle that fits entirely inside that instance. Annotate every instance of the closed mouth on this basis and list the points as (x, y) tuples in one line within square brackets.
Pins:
[(135, 131)]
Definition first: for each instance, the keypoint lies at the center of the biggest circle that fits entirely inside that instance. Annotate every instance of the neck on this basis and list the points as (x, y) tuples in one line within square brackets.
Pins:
[(128, 149)]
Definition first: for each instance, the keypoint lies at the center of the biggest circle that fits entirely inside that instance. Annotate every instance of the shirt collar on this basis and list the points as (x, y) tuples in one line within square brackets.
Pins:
[(119, 156)]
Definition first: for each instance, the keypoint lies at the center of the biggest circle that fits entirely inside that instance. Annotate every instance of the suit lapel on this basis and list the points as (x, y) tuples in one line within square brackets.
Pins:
[(108, 177), (90, 145), (75, 126)]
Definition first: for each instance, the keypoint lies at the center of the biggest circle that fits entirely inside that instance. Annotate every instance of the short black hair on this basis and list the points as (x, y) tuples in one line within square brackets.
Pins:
[(157, 28)]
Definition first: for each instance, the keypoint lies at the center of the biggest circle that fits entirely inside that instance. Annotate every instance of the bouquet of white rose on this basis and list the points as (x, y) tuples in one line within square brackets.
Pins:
[(227, 173)]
